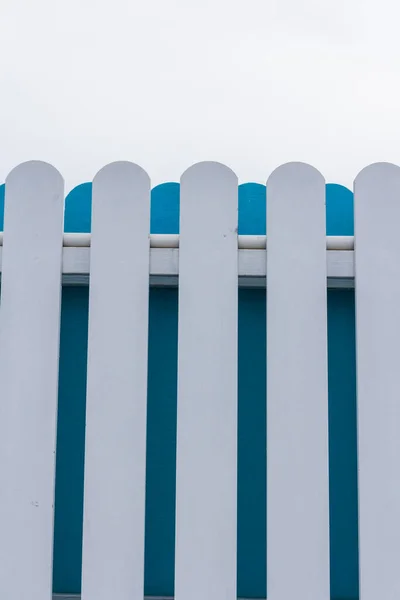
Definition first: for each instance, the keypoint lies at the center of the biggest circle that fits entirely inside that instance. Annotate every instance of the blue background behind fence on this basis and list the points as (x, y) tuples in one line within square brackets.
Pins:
[(161, 427)]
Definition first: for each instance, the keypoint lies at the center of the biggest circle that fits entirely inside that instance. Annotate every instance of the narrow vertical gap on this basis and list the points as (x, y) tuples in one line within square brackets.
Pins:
[(342, 446), (251, 559), (68, 520)]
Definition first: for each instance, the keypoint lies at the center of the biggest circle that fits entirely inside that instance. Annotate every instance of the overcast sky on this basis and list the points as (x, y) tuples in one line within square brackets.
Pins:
[(251, 83)]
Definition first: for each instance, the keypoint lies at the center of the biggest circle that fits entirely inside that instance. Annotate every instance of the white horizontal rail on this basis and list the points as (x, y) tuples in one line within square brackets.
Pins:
[(165, 240), (164, 267)]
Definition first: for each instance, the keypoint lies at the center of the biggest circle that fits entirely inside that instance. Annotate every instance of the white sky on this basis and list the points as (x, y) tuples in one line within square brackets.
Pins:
[(251, 83)]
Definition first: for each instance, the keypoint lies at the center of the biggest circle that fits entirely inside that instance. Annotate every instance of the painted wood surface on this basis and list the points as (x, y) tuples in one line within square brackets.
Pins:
[(297, 389), (377, 270), (206, 487), (115, 456), (29, 349), (161, 482)]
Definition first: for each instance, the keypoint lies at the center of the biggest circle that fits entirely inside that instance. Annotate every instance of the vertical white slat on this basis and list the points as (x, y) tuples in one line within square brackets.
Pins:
[(205, 554), (116, 405), (29, 350), (297, 388), (377, 289)]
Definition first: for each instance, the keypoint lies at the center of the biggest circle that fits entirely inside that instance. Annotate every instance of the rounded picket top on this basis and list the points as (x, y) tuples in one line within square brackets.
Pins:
[(377, 185), (121, 173), (381, 178), (296, 195), (36, 190), (32, 177), (209, 192), (120, 192), (377, 169), (120, 208), (376, 202), (295, 174), (208, 173)]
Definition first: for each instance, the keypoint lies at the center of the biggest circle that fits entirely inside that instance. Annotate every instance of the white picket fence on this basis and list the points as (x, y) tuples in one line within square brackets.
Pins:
[(210, 260)]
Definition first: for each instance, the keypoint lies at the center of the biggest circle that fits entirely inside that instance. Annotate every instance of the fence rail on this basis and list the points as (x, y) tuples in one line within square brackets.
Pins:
[(207, 261), (245, 242), (164, 267)]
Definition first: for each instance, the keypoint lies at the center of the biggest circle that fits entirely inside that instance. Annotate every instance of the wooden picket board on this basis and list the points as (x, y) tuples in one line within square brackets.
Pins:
[(377, 276), (115, 454), (297, 389), (205, 554), (29, 351)]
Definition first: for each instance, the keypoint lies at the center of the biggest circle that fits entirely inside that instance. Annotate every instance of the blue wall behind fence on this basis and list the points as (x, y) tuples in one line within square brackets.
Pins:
[(161, 428)]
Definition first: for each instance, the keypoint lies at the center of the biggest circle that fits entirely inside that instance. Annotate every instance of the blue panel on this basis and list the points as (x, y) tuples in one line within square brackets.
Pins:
[(165, 208), (70, 441), (342, 413), (342, 445), (161, 418), (252, 209), (161, 443), (251, 559), (78, 209), (339, 210), (2, 191)]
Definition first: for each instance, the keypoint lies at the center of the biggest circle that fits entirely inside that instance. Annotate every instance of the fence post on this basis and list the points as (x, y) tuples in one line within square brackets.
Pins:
[(297, 388), (205, 557), (115, 453), (377, 285), (29, 349)]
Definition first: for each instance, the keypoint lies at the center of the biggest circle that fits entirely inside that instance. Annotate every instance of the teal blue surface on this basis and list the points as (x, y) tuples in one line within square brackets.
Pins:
[(70, 440), (161, 429), (78, 209), (2, 190)]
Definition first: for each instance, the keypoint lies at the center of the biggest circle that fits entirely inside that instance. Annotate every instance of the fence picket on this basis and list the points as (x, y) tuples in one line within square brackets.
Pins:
[(205, 556), (115, 455), (297, 389), (377, 273), (29, 349)]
